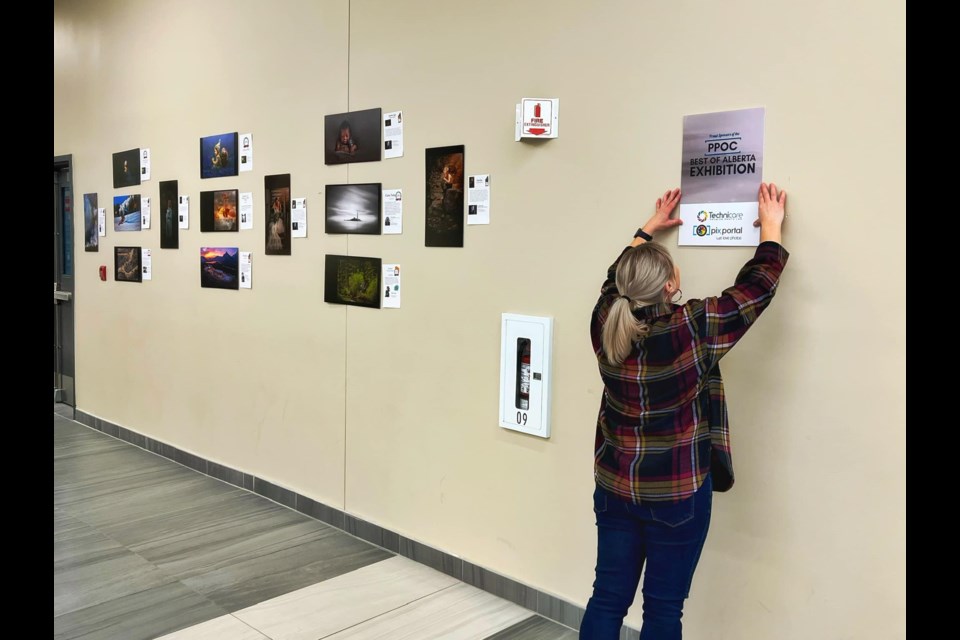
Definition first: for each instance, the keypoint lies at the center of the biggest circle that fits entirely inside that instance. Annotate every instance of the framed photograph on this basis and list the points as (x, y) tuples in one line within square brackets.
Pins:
[(91, 237), (126, 169), (444, 196), (169, 225), (220, 267), (355, 136), (352, 280), (277, 203), (218, 155), (218, 210), (126, 213), (127, 265), (353, 208)]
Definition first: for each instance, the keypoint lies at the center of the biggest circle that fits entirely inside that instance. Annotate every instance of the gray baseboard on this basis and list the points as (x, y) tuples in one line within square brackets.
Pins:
[(546, 605)]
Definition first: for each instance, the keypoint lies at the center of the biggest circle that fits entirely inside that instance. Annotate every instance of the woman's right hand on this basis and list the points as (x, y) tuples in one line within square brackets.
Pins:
[(771, 211)]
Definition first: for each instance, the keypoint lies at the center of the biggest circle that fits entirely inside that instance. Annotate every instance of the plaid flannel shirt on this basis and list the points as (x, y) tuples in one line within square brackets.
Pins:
[(663, 416)]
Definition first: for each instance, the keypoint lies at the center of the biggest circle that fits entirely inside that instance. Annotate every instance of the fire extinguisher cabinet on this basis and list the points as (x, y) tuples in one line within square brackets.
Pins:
[(525, 354)]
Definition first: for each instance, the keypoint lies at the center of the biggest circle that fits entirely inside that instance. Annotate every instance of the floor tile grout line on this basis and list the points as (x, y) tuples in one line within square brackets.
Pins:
[(66, 508), (380, 615), (248, 625), (133, 593), (152, 564), (131, 551)]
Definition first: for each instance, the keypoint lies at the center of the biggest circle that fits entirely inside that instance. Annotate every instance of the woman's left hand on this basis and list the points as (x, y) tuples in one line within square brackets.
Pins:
[(661, 220)]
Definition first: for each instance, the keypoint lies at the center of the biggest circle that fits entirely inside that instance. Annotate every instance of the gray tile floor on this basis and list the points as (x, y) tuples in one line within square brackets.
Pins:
[(144, 547)]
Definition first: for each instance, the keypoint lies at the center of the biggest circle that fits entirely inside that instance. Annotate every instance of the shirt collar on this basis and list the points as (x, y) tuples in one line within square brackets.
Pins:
[(652, 311)]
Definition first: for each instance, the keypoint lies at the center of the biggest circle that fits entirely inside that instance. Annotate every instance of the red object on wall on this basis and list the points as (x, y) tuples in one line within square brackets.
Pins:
[(103, 272), (523, 374), (536, 110)]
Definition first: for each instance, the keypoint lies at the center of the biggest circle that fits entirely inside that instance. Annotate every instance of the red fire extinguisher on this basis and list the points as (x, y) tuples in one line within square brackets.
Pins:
[(523, 374), (536, 110)]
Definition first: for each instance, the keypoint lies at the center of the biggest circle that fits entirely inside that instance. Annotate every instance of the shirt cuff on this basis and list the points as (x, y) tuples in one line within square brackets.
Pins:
[(772, 250)]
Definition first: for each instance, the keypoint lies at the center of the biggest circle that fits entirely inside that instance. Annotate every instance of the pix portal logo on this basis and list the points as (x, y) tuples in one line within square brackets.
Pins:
[(702, 216), (701, 229)]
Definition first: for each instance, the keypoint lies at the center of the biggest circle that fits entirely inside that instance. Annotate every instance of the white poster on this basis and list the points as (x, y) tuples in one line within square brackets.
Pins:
[(183, 212), (298, 218), (144, 164), (246, 270), (392, 211), (246, 210), (145, 212), (393, 134), (720, 177), (391, 286), (478, 199), (146, 263), (246, 152), (101, 222)]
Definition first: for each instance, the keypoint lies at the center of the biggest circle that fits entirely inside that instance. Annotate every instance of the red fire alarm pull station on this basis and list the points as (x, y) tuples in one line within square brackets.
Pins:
[(103, 272)]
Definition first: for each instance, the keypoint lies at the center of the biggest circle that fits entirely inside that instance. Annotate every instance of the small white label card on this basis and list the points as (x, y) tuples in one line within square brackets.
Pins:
[(146, 264), (391, 286), (393, 134), (298, 218), (246, 210), (145, 212), (246, 152), (246, 270), (478, 199), (392, 211), (144, 164), (183, 212)]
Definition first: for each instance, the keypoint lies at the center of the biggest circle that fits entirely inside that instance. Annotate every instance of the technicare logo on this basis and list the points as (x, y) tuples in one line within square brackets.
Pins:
[(702, 216), (726, 215)]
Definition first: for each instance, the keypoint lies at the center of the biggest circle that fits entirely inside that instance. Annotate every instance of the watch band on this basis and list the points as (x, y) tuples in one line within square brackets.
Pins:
[(643, 234)]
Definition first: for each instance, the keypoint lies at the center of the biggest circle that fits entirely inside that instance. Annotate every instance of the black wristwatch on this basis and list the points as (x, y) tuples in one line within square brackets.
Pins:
[(643, 234)]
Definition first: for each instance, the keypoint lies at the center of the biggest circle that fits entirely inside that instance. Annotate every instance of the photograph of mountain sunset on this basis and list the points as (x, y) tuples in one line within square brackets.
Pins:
[(219, 267)]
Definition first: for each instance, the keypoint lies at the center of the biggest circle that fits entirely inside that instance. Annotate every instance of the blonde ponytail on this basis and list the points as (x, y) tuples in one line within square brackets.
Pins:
[(621, 330), (641, 275)]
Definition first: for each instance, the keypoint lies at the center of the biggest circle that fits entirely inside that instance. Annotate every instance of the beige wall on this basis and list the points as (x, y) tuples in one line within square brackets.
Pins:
[(392, 414)]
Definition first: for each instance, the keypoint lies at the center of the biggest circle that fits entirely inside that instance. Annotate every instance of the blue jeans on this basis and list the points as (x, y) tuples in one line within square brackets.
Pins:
[(668, 538)]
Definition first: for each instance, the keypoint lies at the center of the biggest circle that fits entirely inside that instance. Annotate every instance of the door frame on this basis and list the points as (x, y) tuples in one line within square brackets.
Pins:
[(65, 309)]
